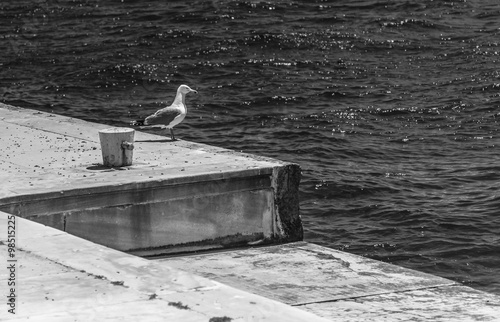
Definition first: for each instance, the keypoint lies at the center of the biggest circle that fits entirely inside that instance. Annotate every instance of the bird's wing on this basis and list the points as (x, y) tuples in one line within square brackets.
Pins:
[(162, 117)]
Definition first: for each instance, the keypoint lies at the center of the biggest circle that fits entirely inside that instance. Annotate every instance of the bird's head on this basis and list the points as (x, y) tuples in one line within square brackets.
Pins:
[(184, 89)]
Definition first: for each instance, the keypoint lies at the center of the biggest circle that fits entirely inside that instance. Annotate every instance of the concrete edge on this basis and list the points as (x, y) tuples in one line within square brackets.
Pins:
[(9, 204), (285, 182)]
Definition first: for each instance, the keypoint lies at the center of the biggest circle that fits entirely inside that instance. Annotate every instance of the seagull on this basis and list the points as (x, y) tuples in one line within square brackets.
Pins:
[(169, 116)]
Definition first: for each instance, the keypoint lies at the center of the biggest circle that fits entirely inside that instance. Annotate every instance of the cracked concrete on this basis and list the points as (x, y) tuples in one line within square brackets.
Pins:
[(341, 286)]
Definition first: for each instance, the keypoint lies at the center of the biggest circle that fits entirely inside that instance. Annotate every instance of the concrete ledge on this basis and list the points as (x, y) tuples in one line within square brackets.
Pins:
[(341, 286), (61, 277), (177, 196)]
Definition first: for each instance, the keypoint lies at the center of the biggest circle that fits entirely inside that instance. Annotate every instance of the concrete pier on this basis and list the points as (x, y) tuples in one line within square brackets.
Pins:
[(176, 196), (79, 227)]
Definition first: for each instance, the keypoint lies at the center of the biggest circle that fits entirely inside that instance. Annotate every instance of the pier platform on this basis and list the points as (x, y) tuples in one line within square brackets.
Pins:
[(175, 197), (189, 232)]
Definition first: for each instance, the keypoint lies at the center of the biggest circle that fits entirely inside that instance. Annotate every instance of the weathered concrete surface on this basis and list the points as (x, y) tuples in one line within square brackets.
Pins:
[(60, 277), (342, 286), (177, 196)]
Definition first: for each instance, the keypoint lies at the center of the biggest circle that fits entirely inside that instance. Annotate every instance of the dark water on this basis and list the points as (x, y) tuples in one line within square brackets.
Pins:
[(390, 107)]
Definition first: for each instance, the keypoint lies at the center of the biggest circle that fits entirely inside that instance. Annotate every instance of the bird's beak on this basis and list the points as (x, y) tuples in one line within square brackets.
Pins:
[(194, 91)]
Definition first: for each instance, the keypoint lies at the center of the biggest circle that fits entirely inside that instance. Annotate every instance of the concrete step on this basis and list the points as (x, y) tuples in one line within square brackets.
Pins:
[(59, 277), (341, 286)]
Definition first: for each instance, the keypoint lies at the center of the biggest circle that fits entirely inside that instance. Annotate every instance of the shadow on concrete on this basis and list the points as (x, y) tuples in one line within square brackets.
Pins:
[(154, 141), (100, 167)]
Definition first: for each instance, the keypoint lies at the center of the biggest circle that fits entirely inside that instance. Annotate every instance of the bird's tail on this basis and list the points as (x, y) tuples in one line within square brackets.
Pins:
[(137, 123)]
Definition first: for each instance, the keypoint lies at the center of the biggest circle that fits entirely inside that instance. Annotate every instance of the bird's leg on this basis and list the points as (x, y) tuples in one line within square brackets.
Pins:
[(172, 134)]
